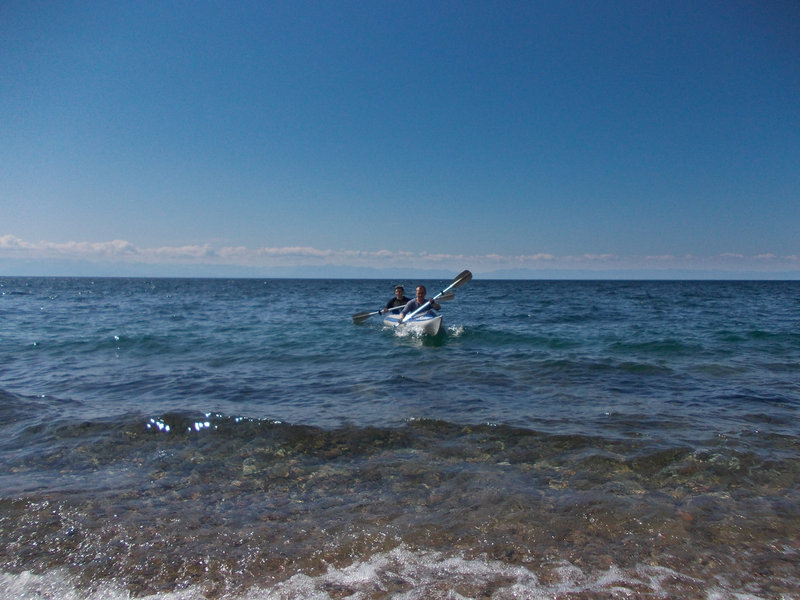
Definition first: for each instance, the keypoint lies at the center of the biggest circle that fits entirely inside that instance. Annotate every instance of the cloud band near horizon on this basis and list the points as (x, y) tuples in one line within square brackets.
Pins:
[(121, 251)]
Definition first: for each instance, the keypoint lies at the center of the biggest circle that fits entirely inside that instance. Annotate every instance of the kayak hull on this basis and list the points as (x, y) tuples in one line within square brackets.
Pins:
[(427, 324)]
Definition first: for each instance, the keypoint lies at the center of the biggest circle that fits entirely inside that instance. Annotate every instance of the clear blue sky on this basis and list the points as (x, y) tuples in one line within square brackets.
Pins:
[(505, 137)]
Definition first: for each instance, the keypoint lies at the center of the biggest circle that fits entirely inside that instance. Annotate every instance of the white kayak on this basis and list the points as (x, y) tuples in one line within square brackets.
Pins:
[(428, 323)]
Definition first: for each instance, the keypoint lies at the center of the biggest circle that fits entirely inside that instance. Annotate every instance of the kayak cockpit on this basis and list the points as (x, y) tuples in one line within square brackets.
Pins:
[(428, 323)]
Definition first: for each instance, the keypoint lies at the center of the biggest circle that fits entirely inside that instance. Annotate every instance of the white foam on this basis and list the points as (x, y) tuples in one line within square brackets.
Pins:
[(455, 330), (404, 574), (59, 585)]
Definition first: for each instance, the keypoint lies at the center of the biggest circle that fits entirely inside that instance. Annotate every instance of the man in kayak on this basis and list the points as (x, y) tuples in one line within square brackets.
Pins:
[(399, 300), (418, 301)]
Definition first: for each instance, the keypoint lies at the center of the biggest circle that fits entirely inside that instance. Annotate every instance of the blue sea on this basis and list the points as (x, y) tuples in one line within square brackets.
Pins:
[(245, 439)]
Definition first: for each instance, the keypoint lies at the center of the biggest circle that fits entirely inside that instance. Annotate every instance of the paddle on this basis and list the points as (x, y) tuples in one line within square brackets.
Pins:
[(363, 316), (460, 280)]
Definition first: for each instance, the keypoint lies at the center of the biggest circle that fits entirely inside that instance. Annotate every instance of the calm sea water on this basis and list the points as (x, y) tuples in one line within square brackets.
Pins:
[(189, 439)]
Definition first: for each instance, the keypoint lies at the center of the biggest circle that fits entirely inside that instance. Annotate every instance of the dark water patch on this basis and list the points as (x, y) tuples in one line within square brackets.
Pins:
[(509, 337), (663, 347), (640, 368), (746, 398), (720, 370), (17, 407)]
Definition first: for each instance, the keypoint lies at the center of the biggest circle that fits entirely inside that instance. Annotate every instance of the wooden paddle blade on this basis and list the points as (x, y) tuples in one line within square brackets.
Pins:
[(446, 297), (361, 317)]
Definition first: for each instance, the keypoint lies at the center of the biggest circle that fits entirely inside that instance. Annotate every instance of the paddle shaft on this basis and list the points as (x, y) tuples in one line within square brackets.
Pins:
[(460, 280), (359, 317)]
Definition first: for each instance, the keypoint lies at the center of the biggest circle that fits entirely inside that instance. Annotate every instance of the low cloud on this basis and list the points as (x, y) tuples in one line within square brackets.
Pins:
[(123, 252), (15, 247)]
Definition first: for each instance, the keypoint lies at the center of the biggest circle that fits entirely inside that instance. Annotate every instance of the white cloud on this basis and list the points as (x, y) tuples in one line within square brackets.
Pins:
[(10, 244), (599, 257), (660, 258), (123, 252)]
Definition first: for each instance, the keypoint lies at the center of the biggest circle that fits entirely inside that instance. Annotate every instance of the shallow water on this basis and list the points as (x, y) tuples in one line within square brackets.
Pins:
[(244, 439)]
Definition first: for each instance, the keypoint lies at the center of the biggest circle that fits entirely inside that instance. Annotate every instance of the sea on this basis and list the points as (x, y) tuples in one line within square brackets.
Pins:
[(186, 439)]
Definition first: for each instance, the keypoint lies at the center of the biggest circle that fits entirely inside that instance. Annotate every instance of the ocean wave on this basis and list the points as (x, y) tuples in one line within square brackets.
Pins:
[(80, 450), (413, 575)]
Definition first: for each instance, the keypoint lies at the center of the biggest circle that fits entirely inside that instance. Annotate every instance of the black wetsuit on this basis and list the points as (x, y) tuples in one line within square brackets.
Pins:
[(395, 303)]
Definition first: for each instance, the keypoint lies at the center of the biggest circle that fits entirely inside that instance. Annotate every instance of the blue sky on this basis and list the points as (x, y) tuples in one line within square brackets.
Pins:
[(364, 138)]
